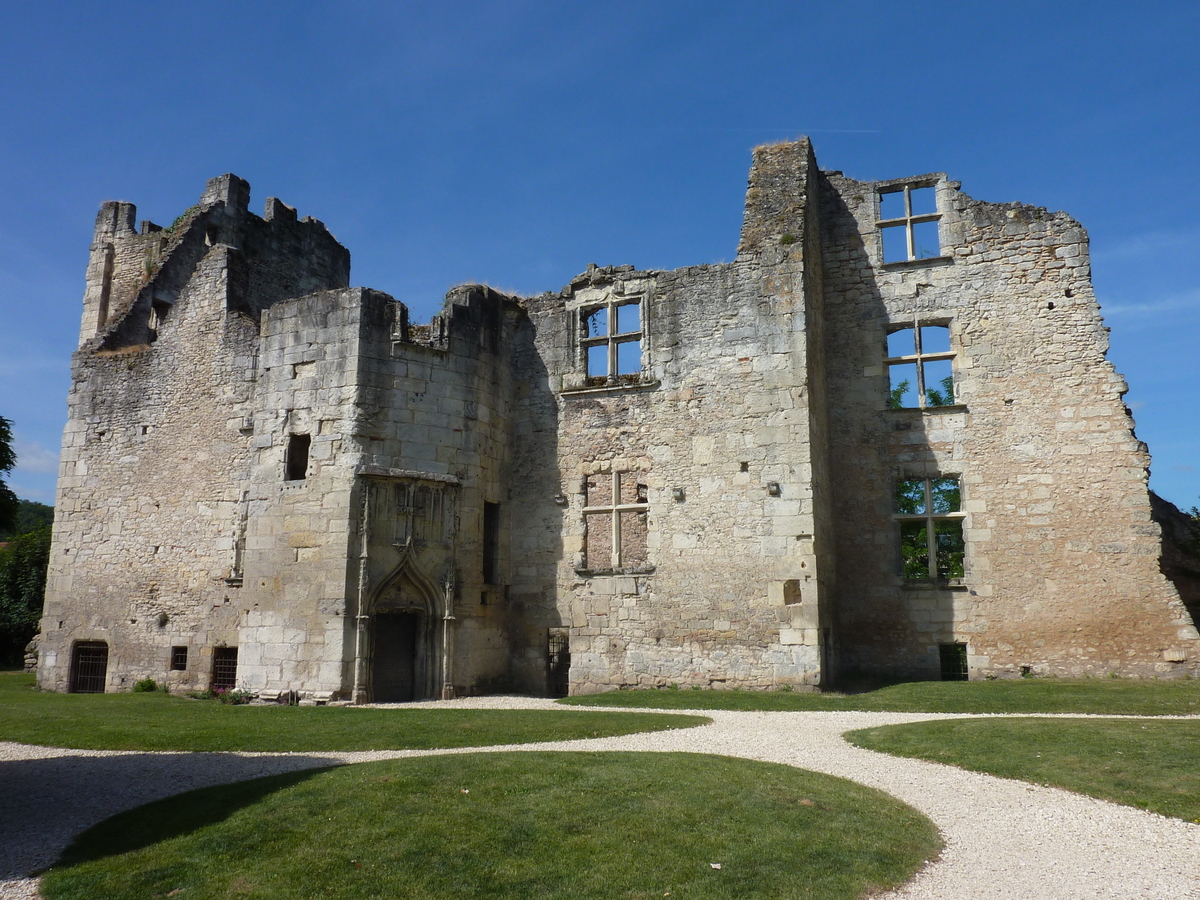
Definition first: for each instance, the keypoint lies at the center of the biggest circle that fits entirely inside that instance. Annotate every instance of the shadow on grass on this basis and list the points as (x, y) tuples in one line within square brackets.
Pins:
[(45, 802)]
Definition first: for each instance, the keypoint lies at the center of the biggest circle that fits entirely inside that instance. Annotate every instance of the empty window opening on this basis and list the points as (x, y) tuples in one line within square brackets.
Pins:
[(612, 341), (929, 512), (158, 315), (920, 366), (89, 667), (296, 458), (953, 659), (558, 662), (212, 235), (615, 521), (179, 659), (908, 223), (224, 672), (491, 543)]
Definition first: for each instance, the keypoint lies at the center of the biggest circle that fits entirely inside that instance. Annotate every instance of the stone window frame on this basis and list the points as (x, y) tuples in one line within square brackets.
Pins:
[(930, 517), (918, 358), (613, 512), (909, 220), (612, 341)]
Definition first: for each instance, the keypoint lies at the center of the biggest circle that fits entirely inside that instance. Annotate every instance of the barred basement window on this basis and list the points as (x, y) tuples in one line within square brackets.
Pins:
[(920, 367), (89, 667), (179, 657), (929, 512), (953, 658), (296, 458), (558, 662), (612, 342), (908, 222), (614, 518), (224, 672)]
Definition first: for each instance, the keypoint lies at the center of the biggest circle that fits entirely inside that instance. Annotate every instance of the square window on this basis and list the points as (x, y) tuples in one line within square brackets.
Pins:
[(179, 657), (920, 363), (930, 517), (612, 342), (616, 532), (908, 223)]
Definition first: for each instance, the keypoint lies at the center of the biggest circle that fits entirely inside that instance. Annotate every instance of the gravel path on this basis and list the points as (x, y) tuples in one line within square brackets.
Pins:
[(1004, 839)]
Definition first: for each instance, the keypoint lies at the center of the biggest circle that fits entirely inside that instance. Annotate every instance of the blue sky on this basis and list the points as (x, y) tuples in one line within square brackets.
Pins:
[(514, 143)]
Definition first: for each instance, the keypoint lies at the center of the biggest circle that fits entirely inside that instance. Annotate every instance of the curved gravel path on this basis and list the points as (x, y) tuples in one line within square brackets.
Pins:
[(1005, 840)]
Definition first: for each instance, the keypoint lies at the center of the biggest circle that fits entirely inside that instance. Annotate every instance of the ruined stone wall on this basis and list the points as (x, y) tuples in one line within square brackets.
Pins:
[(150, 479), (434, 410), (152, 495), (1061, 554), (294, 633), (721, 585)]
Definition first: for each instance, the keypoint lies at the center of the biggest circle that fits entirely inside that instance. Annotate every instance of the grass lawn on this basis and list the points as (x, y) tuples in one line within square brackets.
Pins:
[(156, 721), (509, 825), (1026, 695), (1152, 765)]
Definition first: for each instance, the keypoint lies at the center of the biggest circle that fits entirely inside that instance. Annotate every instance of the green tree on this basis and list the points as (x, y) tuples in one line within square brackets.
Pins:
[(23, 565), (9, 504), (31, 516)]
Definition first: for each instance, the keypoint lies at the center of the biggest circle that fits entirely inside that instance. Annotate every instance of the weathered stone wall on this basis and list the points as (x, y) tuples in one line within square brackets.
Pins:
[(1061, 554), (690, 476), (719, 427), (434, 410), (154, 474)]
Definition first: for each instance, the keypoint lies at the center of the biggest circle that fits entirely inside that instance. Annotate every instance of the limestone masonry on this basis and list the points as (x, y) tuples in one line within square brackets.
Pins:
[(883, 440)]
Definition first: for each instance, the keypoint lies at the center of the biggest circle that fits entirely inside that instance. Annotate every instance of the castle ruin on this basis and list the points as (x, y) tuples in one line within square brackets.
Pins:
[(885, 439)]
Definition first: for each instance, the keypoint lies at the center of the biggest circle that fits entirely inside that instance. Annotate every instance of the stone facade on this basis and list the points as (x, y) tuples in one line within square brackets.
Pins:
[(884, 440)]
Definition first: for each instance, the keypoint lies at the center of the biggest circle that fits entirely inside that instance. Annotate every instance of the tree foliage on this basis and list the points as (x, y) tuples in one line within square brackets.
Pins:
[(22, 589), (31, 516), (9, 504)]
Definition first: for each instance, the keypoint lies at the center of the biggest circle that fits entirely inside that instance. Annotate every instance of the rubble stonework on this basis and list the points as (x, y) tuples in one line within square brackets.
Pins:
[(685, 477)]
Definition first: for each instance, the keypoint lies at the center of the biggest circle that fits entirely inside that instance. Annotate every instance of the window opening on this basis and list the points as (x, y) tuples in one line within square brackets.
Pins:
[(224, 673), (953, 659), (158, 315), (929, 511), (615, 521), (908, 223), (296, 458), (920, 366), (179, 659), (89, 667), (612, 341), (558, 662), (491, 543)]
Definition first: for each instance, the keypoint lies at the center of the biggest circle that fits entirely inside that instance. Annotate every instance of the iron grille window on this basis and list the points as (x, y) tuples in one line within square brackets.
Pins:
[(224, 668), (954, 661), (558, 658), (89, 668), (179, 659)]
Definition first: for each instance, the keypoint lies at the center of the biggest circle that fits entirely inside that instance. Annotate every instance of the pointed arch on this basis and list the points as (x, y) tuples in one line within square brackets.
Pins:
[(405, 613)]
